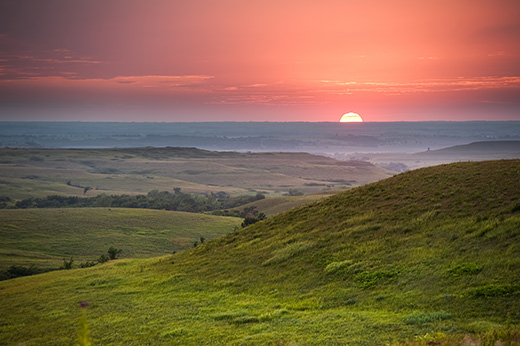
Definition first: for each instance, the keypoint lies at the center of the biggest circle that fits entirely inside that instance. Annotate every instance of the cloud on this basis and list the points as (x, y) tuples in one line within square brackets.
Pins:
[(20, 62), (160, 81), (421, 86), (148, 81)]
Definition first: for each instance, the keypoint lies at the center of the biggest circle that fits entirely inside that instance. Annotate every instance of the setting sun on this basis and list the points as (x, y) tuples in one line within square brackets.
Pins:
[(351, 117)]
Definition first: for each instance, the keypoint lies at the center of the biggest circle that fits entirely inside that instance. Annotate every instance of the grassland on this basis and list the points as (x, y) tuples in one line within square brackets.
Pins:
[(44, 237), (40, 172), (425, 257), (275, 205)]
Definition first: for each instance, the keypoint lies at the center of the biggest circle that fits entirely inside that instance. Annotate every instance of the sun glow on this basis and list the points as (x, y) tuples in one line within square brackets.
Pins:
[(351, 117)]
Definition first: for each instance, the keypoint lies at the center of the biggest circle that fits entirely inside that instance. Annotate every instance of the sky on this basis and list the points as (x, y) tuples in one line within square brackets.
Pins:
[(265, 60)]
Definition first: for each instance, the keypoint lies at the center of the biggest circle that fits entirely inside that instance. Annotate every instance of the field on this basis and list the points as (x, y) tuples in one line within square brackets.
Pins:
[(44, 237), (41, 172), (428, 257)]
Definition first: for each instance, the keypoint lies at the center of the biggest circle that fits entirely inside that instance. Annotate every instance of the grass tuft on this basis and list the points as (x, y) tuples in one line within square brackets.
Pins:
[(291, 250), (426, 317)]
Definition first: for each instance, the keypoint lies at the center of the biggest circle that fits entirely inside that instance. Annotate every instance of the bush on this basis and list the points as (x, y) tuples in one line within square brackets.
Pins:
[(87, 264), (103, 258), (113, 252), (67, 264), (295, 192), (16, 271)]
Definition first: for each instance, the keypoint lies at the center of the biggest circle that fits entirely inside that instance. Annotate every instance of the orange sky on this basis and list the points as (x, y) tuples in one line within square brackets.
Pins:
[(236, 60)]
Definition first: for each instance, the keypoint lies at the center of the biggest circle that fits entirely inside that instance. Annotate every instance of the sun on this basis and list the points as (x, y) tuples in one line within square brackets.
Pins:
[(351, 117)]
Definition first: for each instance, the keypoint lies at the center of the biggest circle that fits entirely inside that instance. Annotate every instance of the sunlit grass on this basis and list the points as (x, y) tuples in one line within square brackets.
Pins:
[(44, 237), (392, 263)]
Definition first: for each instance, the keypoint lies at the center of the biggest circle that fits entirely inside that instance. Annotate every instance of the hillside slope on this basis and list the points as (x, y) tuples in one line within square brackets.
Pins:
[(431, 252), (402, 234), (475, 151), (44, 237)]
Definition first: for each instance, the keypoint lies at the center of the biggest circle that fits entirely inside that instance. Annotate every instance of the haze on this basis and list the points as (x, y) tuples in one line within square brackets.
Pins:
[(203, 60)]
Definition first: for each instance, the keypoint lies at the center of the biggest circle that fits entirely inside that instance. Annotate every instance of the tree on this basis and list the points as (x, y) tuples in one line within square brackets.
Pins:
[(113, 252), (295, 192), (250, 219), (67, 264), (103, 258)]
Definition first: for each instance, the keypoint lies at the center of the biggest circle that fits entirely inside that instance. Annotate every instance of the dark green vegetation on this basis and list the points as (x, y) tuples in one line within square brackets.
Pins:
[(44, 237), (40, 173), (427, 256)]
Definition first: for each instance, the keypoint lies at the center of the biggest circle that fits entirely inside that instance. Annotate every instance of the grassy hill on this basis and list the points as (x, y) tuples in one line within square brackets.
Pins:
[(275, 205), (40, 172), (44, 237), (430, 255), (475, 151)]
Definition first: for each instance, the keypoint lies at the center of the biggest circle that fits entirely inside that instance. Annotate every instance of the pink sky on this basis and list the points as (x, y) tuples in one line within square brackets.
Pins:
[(236, 60)]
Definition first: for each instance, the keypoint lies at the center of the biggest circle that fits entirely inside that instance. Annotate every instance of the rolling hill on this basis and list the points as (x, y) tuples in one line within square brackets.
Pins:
[(479, 150), (45, 237), (41, 172), (475, 151), (429, 255)]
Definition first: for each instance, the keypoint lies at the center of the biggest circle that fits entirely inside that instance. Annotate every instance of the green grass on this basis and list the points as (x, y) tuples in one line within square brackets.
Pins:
[(44, 237), (426, 256), (276, 205)]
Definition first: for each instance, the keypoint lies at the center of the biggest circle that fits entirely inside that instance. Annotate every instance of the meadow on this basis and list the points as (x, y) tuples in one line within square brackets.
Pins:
[(427, 257), (67, 172), (45, 237)]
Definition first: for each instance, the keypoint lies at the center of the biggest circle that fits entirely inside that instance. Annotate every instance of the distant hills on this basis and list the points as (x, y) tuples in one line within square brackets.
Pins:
[(327, 138), (429, 256), (488, 149), (40, 172), (475, 151)]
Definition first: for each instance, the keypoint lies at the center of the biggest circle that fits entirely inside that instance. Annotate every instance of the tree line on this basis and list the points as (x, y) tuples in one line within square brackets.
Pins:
[(177, 201)]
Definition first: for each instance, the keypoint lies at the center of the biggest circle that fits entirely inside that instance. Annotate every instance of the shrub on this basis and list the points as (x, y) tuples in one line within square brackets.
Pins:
[(87, 264), (103, 258), (67, 264), (16, 271), (113, 252), (295, 192)]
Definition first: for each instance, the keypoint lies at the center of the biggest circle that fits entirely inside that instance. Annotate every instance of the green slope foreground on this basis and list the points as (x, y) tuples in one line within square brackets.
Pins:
[(431, 254), (44, 237)]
